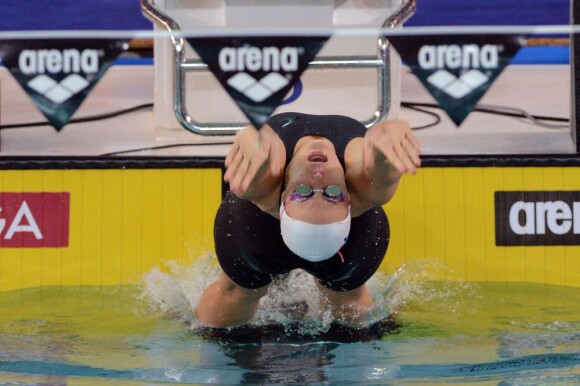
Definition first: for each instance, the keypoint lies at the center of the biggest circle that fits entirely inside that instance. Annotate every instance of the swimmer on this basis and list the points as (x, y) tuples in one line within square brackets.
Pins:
[(306, 193)]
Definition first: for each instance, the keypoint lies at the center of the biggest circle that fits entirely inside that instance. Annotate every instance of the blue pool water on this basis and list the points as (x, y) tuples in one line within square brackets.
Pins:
[(446, 333)]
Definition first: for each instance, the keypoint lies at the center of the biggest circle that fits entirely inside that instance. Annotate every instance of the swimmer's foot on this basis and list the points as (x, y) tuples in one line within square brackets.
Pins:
[(295, 311)]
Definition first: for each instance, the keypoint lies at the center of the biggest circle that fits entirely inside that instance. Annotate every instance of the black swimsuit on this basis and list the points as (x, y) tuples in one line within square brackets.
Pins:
[(248, 242)]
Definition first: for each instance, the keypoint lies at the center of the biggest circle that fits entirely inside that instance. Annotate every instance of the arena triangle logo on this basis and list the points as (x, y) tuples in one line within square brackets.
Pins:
[(457, 70), (58, 75), (258, 72)]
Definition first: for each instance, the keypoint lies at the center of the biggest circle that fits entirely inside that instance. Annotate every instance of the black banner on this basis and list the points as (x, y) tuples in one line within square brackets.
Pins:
[(537, 218), (457, 70), (59, 74), (258, 72)]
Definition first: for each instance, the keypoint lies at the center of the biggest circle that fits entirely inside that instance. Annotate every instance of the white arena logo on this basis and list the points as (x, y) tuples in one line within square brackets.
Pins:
[(253, 59), (538, 218), (53, 61), (470, 58), (455, 56), (44, 63)]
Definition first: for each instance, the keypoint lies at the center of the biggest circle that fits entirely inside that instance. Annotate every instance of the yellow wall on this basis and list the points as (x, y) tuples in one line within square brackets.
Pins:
[(124, 222), (448, 214)]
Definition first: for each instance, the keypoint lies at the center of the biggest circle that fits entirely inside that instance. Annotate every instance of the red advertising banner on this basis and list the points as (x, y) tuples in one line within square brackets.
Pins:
[(34, 220)]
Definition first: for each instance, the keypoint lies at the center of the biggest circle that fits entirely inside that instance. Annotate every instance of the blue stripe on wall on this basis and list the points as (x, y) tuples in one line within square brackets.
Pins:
[(543, 55)]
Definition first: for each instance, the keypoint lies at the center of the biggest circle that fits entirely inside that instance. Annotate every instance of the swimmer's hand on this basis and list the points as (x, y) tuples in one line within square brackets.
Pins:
[(391, 145), (253, 154)]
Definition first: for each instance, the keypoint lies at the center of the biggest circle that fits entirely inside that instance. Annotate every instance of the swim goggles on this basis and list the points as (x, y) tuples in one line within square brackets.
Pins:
[(303, 192)]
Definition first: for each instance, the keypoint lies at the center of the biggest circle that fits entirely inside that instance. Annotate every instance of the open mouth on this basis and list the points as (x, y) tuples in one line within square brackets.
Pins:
[(317, 156)]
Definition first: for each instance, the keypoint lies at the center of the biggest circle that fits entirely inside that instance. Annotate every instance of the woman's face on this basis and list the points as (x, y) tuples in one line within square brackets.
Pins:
[(315, 163)]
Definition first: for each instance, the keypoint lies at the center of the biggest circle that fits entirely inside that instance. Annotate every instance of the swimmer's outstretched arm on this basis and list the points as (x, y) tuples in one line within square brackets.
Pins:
[(255, 163), (376, 163)]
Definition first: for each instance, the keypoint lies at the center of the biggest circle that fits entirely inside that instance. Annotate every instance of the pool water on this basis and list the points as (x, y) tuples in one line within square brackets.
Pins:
[(446, 332)]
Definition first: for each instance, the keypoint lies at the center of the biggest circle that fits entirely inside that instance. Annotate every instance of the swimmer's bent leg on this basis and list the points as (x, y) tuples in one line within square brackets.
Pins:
[(361, 257), (226, 304), (343, 283), (250, 252), (248, 243)]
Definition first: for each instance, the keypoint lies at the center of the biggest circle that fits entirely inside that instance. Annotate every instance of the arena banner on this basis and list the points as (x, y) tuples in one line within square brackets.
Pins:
[(457, 70), (258, 72), (537, 218), (59, 74)]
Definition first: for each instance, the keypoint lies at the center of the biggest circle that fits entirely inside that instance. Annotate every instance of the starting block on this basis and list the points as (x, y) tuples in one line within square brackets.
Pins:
[(357, 76)]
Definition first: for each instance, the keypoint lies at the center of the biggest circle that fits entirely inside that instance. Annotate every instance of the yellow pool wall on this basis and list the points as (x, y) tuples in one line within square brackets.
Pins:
[(124, 222)]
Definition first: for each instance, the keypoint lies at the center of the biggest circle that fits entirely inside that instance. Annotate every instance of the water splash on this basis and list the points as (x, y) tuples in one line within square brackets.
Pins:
[(175, 290)]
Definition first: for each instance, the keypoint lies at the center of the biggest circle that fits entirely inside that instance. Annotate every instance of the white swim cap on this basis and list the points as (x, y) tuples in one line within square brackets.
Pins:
[(313, 242)]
